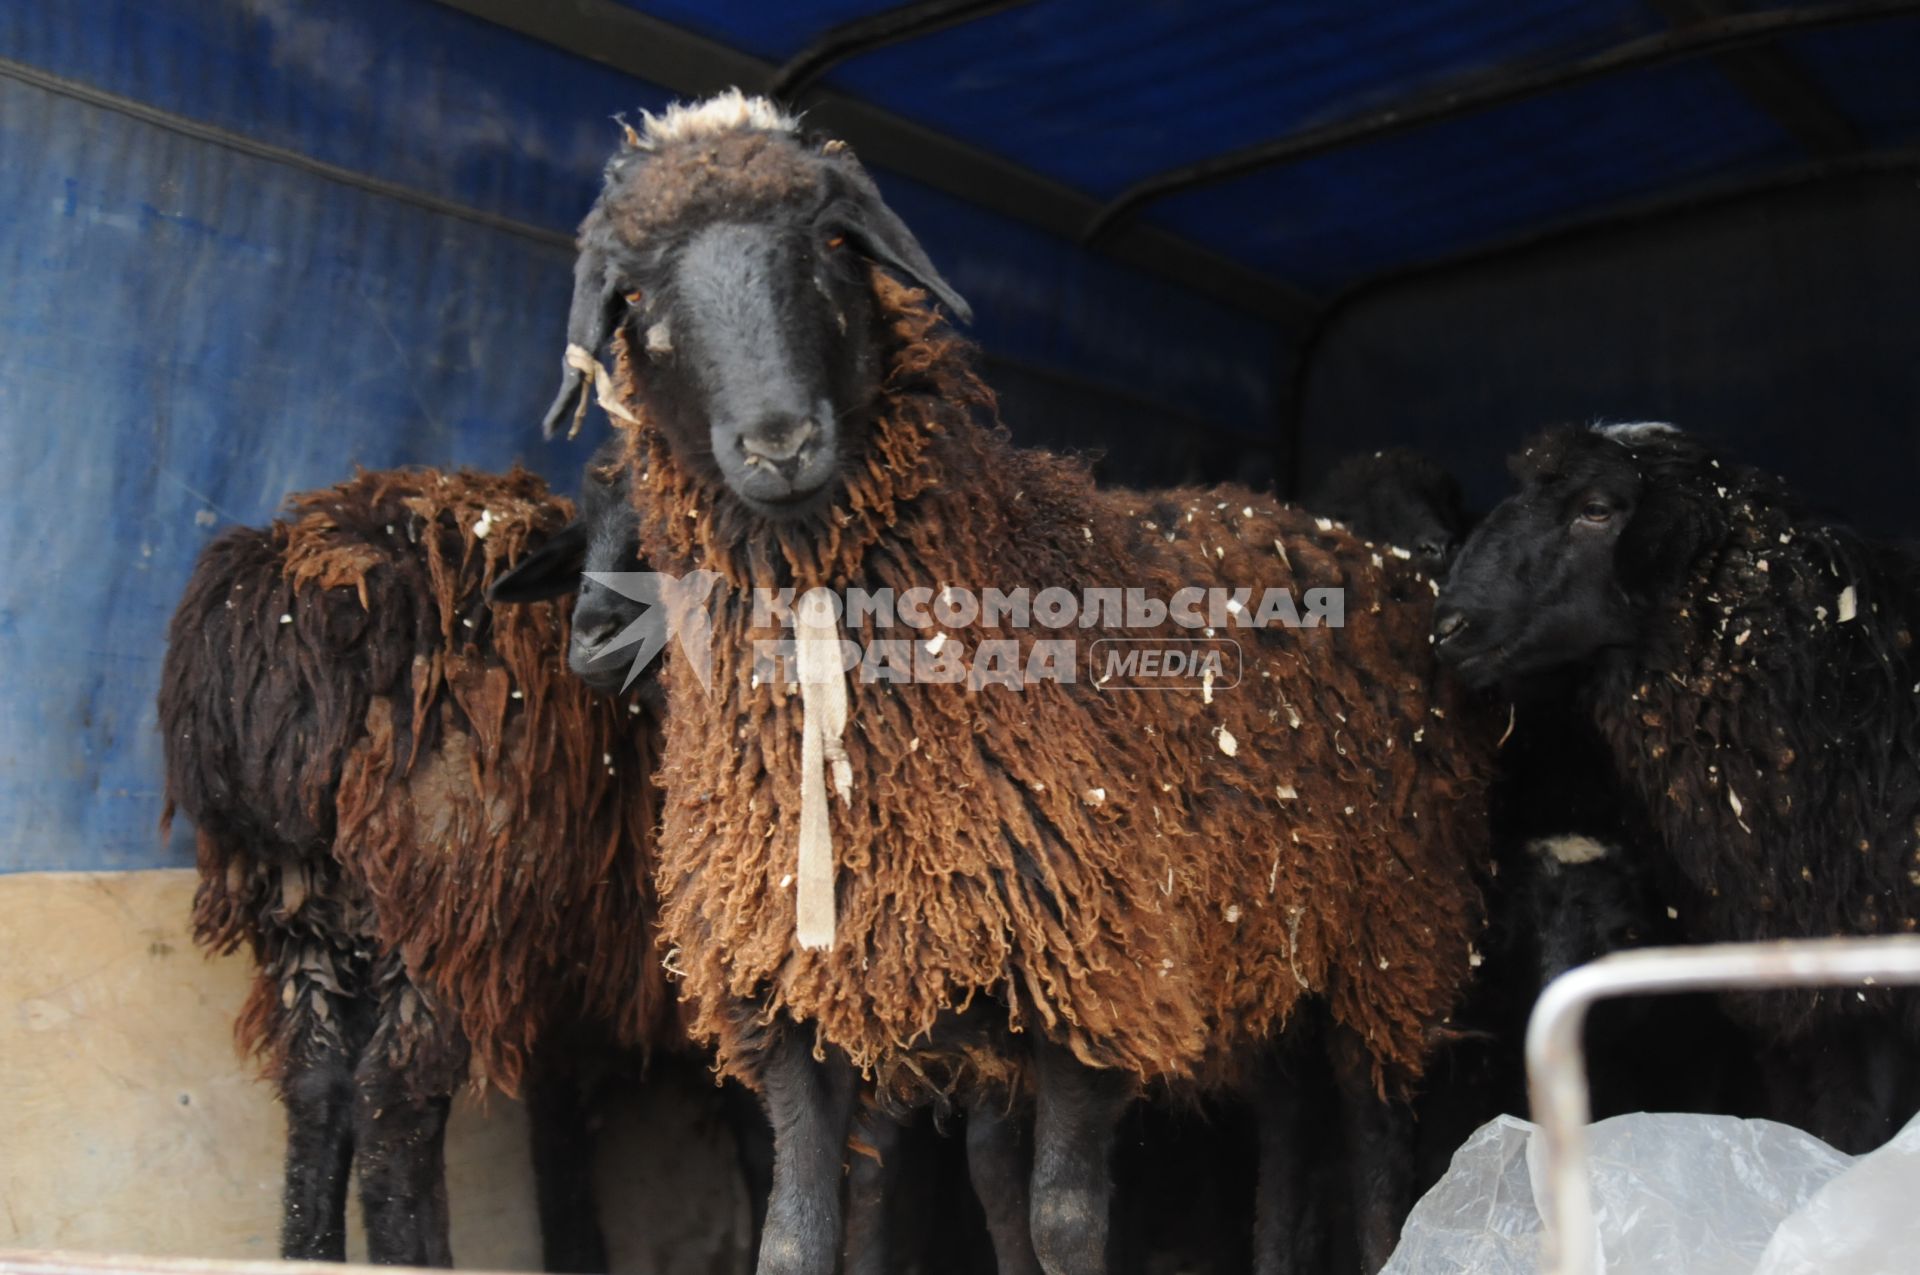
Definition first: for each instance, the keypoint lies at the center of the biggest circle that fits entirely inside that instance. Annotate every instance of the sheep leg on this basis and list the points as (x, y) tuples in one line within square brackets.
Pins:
[(1076, 1117), (869, 1246), (1379, 1140), (753, 1151), (316, 1088), (403, 1175), (810, 1105), (1280, 1189), (1000, 1163), (1851, 1088), (403, 1089), (560, 1114)]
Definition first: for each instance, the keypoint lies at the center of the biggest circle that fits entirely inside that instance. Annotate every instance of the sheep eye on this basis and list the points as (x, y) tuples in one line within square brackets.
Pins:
[(636, 298), (836, 243), (1596, 512)]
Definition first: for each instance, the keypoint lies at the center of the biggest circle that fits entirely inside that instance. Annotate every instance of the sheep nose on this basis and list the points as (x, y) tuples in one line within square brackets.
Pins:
[(778, 440), (596, 630), (1449, 623)]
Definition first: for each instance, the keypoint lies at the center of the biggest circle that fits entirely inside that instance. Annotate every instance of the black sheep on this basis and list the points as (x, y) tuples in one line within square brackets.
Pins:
[(1396, 497), (1571, 879), (1750, 671)]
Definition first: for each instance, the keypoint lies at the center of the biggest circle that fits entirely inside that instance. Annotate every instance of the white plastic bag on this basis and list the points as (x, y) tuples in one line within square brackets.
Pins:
[(1864, 1222), (1679, 1195)]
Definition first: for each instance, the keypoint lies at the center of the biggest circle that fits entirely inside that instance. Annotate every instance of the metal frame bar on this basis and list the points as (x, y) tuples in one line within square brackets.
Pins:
[(1556, 1067), (1770, 79), (1715, 36), (1080, 381), (48, 82), (861, 36), (689, 64), (1657, 207)]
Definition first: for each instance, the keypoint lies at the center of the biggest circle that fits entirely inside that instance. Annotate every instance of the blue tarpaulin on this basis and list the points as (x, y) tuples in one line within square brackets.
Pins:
[(249, 244)]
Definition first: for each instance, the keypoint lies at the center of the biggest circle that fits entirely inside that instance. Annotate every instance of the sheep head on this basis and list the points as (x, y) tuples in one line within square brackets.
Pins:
[(1606, 524), (603, 538), (738, 253), (1399, 497)]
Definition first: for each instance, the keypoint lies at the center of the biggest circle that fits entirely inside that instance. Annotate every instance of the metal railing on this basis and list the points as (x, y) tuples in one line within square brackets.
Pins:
[(1556, 1067)]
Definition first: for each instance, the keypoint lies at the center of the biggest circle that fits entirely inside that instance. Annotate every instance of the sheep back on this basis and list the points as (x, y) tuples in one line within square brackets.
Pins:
[(375, 760)]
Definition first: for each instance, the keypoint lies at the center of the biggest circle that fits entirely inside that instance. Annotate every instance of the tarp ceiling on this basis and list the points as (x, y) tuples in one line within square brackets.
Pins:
[(1595, 106)]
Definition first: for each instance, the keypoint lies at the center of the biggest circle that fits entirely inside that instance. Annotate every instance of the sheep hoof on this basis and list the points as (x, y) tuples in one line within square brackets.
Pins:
[(1069, 1232)]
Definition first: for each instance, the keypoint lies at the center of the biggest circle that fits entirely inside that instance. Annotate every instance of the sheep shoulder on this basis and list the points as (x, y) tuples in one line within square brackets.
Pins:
[(1771, 730)]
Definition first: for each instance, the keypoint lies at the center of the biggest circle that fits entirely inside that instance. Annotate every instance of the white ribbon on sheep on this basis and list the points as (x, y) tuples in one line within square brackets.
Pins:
[(823, 720)]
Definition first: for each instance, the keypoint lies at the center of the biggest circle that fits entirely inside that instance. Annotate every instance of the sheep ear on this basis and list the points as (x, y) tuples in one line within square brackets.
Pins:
[(551, 571), (1661, 537), (885, 238), (590, 322)]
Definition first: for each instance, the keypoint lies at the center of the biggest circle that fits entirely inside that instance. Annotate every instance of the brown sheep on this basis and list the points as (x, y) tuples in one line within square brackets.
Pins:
[(1153, 888), (430, 837)]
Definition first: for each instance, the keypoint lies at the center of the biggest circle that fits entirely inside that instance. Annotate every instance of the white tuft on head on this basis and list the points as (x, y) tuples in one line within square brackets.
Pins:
[(1570, 849), (1630, 432), (728, 112)]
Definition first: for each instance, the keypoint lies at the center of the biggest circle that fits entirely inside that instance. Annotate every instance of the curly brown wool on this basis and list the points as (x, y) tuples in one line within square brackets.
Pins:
[(401, 798), (1312, 834)]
